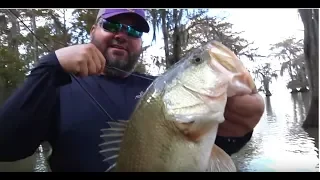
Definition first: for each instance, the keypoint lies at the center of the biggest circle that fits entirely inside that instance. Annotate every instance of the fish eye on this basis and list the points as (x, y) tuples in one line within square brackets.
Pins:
[(197, 60)]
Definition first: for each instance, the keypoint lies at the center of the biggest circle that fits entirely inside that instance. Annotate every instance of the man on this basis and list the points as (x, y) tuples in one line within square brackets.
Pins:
[(51, 106)]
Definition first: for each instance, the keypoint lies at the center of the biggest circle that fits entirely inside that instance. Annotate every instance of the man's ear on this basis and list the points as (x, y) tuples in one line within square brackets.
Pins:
[(93, 28)]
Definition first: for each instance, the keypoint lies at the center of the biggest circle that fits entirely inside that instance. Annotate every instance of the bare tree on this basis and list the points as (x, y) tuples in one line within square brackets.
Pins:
[(310, 19)]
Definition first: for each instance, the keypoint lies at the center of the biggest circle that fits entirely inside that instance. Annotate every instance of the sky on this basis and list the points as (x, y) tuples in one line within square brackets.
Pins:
[(263, 26)]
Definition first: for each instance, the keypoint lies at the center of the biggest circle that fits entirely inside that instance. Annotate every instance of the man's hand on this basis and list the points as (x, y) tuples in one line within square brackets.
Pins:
[(82, 60), (242, 114)]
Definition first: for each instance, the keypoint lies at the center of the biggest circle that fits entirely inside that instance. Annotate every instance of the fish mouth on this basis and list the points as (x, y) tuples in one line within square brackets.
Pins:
[(226, 62), (209, 94), (223, 56)]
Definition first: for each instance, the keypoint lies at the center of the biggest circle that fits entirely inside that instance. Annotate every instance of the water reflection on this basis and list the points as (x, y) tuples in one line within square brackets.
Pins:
[(41, 165), (279, 143), (44, 151)]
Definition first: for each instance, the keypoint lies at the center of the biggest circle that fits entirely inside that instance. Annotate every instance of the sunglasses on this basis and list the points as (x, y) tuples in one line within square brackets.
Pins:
[(117, 27)]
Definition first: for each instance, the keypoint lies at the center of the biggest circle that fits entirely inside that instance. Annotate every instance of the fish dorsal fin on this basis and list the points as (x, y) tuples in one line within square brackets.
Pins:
[(112, 137), (220, 161)]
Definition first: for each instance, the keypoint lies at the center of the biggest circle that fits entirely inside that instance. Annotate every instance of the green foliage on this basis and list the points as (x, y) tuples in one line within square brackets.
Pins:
[(83, 19), (11, 68), (185, 29), (264, 73), (291, 55)]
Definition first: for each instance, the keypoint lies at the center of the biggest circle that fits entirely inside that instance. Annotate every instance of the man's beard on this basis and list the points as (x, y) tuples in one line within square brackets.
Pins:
[(117, 67), (120, 67)]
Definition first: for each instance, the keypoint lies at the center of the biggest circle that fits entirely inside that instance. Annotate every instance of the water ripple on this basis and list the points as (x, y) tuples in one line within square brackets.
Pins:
[(279, 143)]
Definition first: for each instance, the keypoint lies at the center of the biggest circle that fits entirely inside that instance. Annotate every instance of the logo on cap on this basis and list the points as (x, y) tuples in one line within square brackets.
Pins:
[(131, 10)]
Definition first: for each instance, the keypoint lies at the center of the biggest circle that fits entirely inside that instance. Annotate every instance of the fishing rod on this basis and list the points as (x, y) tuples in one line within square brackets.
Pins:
[(72, 75)]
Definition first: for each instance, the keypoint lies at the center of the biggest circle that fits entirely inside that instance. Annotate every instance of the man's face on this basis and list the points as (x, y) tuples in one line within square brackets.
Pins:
[(120, 50)]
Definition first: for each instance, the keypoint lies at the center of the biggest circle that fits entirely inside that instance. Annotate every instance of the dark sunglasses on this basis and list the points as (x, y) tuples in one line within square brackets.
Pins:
[(117, 27)]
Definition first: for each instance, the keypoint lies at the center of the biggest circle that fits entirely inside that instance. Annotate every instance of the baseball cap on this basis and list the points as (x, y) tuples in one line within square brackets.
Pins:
[(140, 14)]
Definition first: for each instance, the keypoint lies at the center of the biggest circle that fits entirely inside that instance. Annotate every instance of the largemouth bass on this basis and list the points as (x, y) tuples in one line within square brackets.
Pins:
[(174, 125)]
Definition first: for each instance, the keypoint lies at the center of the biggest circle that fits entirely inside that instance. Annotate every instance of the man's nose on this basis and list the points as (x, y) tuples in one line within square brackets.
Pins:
[(121, 36)]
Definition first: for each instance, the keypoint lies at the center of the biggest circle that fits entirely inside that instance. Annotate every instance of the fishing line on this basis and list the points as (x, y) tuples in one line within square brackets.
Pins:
[(97, 103), (110, 67)]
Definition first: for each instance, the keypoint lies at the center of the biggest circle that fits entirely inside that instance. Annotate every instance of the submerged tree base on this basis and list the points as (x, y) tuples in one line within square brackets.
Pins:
[(302, 90), (312, 119), (310, 19)]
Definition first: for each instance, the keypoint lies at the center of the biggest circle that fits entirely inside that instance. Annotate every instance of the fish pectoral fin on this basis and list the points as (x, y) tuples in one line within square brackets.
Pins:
[(220, 161), (112, 138)]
